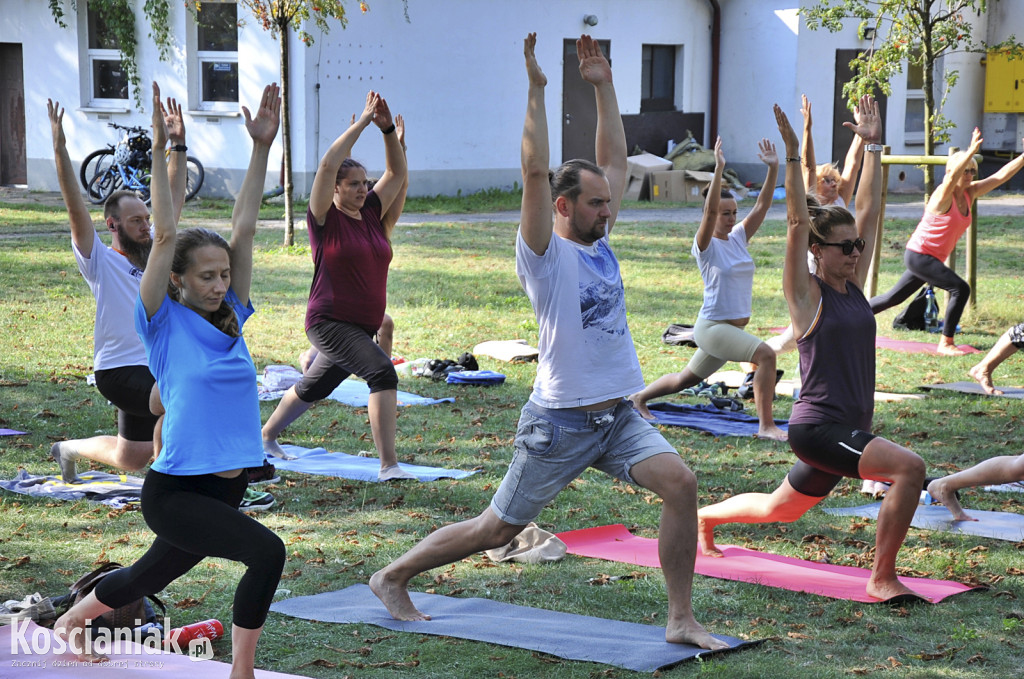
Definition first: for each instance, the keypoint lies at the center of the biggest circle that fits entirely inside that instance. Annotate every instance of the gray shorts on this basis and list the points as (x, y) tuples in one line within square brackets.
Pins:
[(554, 446)]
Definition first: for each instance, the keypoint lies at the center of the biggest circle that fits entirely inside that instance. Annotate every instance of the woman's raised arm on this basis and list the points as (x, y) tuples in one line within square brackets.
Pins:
[(153, 289)]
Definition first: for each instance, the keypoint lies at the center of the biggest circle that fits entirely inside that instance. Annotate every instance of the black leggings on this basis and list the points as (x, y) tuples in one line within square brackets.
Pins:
[(923, 269), (195, 517), (344, 349)]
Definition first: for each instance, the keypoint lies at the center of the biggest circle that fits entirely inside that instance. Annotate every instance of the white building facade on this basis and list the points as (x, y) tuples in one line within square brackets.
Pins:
[(454, 69)]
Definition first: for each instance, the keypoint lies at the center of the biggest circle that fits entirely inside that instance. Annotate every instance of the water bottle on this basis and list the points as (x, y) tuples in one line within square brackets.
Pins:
[(207, 629), (931, 311)]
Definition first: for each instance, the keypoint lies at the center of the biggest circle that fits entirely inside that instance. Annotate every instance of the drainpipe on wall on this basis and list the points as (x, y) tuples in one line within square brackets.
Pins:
[(716, 51)]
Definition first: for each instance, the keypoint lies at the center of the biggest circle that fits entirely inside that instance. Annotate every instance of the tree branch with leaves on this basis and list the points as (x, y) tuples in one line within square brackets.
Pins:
[(916, 32)]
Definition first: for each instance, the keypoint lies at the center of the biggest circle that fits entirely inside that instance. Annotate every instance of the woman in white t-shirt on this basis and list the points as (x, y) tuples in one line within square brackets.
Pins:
[(720, 247)]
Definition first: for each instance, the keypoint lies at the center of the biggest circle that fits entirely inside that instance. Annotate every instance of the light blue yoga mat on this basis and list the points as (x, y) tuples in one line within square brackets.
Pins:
[(707, 418), (576, 637), (319, 461), (998, 525), (357, 394), (113, 490)]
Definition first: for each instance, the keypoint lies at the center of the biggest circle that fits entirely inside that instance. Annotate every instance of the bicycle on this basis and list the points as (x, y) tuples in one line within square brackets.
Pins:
[(127, 164)]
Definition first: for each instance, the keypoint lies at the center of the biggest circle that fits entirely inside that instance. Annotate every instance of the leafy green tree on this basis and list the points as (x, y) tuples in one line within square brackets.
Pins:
[(916, 32), (280, 17)]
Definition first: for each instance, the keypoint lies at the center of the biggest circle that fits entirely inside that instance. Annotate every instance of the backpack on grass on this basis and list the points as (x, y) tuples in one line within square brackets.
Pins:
[(131, 615)]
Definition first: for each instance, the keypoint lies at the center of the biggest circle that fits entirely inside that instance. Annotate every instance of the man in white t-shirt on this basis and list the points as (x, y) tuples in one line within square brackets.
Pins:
[(577, 416), (113, 274)]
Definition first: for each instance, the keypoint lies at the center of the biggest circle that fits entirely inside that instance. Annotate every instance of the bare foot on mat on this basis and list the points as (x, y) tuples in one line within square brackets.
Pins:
[(984, 378), (691, 632), (706, 539), (395, 598), (938, 490)]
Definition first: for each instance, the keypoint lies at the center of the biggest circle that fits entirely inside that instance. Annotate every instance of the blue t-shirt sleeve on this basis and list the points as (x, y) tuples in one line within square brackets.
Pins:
[(148, 327), (241, 312)]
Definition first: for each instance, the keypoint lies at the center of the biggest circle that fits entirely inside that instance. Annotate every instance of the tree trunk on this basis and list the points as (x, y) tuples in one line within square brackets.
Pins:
[(286, 136), (928, 84)]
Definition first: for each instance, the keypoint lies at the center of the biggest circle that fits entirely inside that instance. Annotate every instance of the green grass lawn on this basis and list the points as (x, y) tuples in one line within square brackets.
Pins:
[(452, 286)]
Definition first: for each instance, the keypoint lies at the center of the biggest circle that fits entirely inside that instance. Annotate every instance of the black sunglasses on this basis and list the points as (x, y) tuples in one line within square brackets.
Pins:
[(849, 245)]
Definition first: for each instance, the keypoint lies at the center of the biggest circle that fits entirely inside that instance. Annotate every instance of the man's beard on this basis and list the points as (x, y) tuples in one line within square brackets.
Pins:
[(590, 232), (136, 252)]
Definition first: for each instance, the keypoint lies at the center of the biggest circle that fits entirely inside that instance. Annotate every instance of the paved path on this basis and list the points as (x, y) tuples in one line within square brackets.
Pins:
[(991, 205)]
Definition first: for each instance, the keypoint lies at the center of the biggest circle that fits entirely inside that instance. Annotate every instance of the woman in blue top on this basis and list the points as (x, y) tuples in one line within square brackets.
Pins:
[(720, 248), (193, 301)]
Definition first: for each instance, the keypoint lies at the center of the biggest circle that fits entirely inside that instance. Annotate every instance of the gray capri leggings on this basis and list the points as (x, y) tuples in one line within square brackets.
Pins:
[(344, 349), (718, 343)]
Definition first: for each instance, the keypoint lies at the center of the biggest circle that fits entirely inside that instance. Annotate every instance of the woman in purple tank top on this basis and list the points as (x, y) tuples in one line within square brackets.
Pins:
[(830, 425)]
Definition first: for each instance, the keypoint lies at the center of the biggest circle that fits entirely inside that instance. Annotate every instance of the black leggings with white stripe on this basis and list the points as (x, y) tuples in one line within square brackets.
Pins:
[(827, 453)]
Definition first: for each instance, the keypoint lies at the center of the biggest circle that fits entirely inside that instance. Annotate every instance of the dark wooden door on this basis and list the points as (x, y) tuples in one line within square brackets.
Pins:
[(13, 168), (579, 109), (841, 136)]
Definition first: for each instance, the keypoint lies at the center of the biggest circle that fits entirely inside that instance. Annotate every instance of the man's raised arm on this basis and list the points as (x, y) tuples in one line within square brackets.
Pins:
[(83, 232), (536, 219), (610, 138)]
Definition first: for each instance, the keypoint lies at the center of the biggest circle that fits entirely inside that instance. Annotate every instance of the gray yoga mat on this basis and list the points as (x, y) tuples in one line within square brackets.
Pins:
[(998, 525), (975, 388), (575, 637)]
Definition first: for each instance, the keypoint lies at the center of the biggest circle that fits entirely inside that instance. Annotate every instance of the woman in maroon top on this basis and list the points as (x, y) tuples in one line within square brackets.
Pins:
[(830, 427), (351, 249)]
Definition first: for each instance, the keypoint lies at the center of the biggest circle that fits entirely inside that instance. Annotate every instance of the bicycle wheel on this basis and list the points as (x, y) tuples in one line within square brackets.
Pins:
[(140, 182), (196, 174), (97, 162), (102, 185)]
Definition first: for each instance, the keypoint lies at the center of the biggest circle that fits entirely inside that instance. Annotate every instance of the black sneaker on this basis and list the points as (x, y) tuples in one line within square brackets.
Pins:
[(264, 474)]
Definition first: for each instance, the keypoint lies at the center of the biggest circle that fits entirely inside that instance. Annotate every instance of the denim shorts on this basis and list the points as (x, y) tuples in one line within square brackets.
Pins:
[(554, 446)]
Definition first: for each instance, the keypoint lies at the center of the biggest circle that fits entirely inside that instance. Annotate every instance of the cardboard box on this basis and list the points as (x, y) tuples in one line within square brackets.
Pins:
[(667, 186), (679, 186), (639, 168), (694, 184)]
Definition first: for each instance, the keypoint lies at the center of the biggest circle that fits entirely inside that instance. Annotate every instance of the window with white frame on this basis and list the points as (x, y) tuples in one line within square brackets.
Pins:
[(107, 78), (913, 119), (658, 78), (214, 66)]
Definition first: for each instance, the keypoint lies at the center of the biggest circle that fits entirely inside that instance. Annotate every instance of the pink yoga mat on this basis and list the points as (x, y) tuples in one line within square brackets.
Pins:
[(14, 662), (908, 346), (914, 347), (615, 543)]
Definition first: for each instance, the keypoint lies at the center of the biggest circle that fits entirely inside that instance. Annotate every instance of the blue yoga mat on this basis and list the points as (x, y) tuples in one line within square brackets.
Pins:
[(319, 461), (357, 394), (576, 637), (114, 490), (707, 418), (479, 377), (998, 525)]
